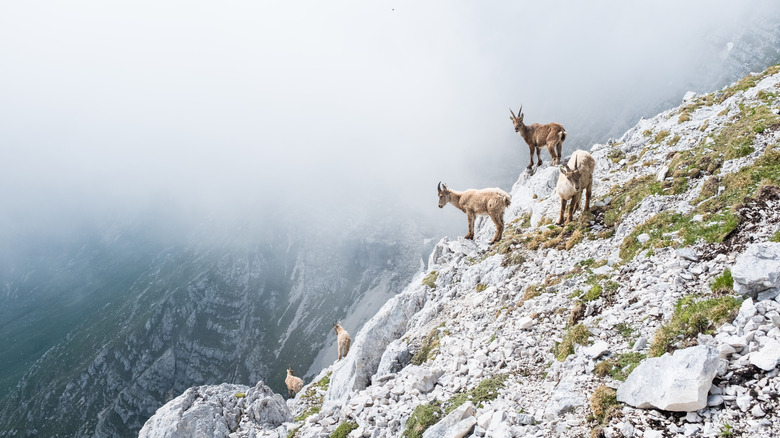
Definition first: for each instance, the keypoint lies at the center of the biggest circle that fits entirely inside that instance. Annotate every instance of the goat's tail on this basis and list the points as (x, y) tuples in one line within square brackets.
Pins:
[(507, 200), (562, 135)]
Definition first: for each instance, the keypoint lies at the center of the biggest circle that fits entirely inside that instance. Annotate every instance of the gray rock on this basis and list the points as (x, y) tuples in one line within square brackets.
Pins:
[(216, 411), (768, 356), (394, 359), (687, 253), (564, 399), (678, 382), (757, 271), (457, 424)]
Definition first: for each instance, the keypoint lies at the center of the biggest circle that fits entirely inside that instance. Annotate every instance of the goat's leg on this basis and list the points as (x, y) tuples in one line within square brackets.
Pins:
[(553, 158), (575, 204), (499, 223), (539, 156), (563, 209), (471, 218), (531, 152), (560, 156), (587, 196)]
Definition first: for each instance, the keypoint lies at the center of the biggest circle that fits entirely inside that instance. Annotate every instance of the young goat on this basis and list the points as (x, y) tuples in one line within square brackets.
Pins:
[(343, 341), (537, 136), (485, 202), (571, 183), (294, 384)]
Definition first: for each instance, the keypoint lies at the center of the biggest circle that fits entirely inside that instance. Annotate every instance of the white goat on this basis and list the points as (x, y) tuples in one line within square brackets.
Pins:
[(343, 340), (571, 183), (537, 136), (485, 202), (294, 384)]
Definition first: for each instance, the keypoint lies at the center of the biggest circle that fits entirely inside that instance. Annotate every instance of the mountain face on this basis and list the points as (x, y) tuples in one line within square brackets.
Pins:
[(132, 320), (657, 313)]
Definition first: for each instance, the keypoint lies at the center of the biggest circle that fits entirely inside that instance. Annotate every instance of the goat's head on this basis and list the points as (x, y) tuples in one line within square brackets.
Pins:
[(572, 175), (289, 371), (336, 326), (517, 120), (444, 194)]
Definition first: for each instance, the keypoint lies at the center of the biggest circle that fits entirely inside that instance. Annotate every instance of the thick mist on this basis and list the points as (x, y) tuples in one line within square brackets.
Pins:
[(214, 115)]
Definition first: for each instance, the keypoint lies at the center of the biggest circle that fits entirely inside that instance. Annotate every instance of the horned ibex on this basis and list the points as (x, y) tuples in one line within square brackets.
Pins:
[(343, 340), (571, 183), (537, 136), (294, 384), (485, 202)]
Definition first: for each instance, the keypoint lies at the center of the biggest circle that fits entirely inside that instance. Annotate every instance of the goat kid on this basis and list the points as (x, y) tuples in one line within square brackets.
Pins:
[(537, 136), (343, 340), (294, 384), (485, 202), (571, 183)]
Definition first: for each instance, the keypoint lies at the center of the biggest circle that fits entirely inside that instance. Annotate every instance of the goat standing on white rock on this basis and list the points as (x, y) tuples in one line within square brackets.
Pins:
[(485, 202), (294, 384), (538, 136), (571, 183), (343, 340)]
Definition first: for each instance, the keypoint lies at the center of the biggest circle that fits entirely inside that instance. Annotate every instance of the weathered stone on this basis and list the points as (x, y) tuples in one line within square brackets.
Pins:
[(455, 425), (768, 356), (564, 399), (756, 272), (678, 382)]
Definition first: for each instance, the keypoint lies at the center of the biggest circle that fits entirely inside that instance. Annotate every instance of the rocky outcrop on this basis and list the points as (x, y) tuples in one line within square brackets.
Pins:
[(218, 411)]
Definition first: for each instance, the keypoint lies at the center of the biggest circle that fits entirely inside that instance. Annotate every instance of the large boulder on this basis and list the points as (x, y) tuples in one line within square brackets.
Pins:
[(457, 424), (217, 411), (756, 272), (678, 382)]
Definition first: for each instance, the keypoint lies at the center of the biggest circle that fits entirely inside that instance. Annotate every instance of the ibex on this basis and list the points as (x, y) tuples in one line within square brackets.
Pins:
[(571, 183), (485, 202), (294, 384), (343, 340), (537, 136)]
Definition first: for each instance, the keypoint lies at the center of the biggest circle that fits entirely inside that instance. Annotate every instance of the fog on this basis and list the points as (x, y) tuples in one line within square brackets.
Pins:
[(228, 111)]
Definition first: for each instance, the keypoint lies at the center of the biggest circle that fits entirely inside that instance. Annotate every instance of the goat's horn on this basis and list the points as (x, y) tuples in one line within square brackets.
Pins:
[(521, 110), (575, 163), (439, 186), (513, 113)]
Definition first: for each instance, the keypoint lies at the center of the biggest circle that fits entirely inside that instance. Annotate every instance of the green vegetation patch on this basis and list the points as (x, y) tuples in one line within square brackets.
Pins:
[(240, 394), (619, 367), (423, 417), (486, 390), (429, 347), (775, 237), (430, 279), (628, 196), (736, 139), (577, 334), (344, 429), (746, 83), (692, 317), (723, 284), (717, 211)]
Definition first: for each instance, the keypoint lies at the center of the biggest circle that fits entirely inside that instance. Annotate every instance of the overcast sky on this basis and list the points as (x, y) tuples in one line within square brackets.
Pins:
[(221, 106)]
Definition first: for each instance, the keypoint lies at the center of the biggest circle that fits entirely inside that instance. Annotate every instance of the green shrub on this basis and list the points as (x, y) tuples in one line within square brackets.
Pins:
[(691, 318), (603, 402), (430, 279), (724, 283), (344, 429), (486, 390), (577, 334), (423, 417)]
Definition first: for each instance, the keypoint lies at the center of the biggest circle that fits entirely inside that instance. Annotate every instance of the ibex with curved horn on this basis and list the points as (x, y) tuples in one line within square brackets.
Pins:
[(294, 384), (571, 183), (537, 136), (485, 202)]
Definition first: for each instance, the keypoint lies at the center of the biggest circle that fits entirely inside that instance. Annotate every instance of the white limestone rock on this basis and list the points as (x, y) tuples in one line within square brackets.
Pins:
[(768, 356), (678, 382), (756, 272)]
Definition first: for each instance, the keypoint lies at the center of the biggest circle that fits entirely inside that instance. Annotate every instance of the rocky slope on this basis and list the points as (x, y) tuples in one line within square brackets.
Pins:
[(657, 314)]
